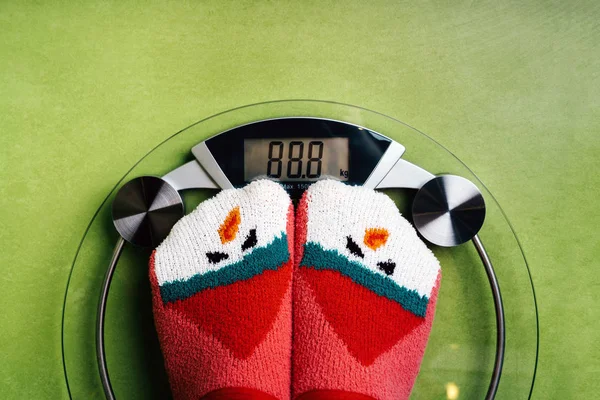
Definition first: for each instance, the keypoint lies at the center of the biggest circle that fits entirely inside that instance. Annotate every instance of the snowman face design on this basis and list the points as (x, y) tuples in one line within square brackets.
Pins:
[(228, 232), (374, 238), (217, 241), (366, 232)]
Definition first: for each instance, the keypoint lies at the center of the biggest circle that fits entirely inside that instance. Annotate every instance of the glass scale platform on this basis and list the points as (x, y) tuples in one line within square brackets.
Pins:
[(460, 355)]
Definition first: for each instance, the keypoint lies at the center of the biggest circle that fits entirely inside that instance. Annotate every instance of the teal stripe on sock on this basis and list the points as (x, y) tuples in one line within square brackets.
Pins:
[(318, 258), (272, 256)]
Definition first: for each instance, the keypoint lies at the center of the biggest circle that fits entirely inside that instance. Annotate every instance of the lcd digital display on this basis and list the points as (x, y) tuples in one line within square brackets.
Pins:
[(296, 159)]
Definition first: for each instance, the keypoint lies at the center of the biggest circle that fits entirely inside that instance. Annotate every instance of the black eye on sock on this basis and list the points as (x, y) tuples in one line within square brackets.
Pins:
[(216, 256), (250, 240), (353, 247), (387, 266)]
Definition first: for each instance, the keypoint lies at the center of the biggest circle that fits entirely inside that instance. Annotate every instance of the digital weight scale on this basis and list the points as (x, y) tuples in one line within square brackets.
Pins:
[(447, 210)]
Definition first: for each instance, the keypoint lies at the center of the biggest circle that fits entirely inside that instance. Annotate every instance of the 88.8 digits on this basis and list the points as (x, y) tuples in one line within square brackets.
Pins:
[(296, 163)]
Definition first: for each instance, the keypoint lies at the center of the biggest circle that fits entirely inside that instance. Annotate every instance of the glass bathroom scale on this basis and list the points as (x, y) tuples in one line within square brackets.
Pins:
[(460, 355)]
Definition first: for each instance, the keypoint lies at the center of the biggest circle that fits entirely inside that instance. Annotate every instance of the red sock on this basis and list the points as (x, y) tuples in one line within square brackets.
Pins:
[(221, 285), (365, 288)]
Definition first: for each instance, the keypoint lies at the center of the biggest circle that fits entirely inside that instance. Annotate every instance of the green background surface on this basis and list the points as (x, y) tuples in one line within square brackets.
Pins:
[(512, 89)]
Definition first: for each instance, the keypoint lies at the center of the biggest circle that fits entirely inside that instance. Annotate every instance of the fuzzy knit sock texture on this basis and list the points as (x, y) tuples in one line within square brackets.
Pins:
[(221, 287), (365, 288)]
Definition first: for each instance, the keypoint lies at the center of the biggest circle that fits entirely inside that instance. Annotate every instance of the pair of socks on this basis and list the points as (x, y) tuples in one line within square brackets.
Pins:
[(255, 300)]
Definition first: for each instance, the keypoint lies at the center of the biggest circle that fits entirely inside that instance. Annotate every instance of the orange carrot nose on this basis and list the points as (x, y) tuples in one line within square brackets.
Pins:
[(376, 237), (229, 228)]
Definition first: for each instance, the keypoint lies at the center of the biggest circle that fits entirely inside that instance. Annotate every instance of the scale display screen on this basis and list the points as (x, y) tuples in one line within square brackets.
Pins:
[(295, 151), (296, 159)]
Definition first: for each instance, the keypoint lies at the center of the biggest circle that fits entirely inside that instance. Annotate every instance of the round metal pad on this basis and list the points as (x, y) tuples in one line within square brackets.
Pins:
[(145, 209), (448, 210)]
